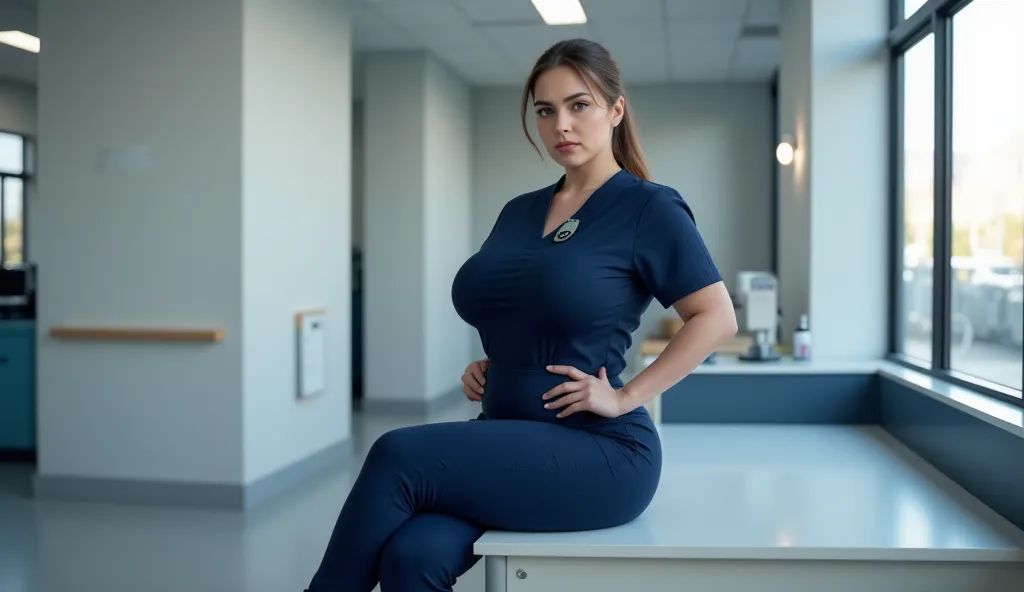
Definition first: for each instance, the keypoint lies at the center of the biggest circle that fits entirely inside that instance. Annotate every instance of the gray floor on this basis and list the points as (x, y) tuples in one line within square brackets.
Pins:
[(769, 491), (78, 547)]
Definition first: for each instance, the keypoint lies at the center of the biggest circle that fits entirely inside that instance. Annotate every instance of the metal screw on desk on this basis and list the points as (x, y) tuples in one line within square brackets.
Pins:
[(520, 574)]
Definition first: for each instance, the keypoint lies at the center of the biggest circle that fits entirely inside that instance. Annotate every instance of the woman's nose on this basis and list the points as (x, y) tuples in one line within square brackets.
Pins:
[(563, 122)]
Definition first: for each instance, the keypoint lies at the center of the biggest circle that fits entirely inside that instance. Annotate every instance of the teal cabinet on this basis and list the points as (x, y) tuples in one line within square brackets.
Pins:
[(17, 386)]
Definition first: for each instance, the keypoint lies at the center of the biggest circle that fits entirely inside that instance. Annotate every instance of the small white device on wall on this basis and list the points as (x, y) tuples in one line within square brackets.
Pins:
[(312, 353)]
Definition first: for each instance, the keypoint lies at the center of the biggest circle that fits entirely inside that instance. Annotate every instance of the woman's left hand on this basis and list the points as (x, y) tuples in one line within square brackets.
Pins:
[(584, 393)]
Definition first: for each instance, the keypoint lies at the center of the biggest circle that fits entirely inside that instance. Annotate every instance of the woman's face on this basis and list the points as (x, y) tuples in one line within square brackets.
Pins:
[(574, 124)]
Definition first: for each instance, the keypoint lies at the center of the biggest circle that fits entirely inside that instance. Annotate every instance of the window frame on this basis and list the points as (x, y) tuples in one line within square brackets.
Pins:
[(26, 176), (933, 17)]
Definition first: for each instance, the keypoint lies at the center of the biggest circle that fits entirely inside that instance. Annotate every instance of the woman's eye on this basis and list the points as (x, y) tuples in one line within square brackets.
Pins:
[(580, 105), (544, 112)]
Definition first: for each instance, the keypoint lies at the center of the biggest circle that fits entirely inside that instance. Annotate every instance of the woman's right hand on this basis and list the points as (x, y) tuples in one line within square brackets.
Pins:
[(473, 380)]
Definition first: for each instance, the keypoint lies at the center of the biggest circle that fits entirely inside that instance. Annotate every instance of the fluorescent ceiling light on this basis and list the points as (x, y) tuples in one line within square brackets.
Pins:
[(20, 40), (560, 12)]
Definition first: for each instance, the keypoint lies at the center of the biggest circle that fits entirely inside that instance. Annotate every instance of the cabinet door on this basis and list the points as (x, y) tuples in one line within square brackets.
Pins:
[(17, 394)]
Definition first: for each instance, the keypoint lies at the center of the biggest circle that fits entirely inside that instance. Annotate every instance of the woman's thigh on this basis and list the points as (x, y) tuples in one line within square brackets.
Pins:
[(520, 475)]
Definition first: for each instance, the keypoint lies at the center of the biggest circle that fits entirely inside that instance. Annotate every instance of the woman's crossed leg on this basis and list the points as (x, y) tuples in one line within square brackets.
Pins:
[(426, 493)]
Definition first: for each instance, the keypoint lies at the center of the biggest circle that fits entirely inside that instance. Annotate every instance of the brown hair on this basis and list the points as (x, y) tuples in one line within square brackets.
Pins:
[(593, 63)]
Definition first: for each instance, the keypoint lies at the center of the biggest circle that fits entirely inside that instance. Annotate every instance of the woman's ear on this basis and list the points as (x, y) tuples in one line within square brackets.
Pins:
[(618, 111)]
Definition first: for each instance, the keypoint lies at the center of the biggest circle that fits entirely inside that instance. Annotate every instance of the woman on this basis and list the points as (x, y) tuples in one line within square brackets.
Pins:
[(555, 291)]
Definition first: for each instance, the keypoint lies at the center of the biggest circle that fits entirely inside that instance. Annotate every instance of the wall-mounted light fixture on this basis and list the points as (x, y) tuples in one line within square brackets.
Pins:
[(785, 150)]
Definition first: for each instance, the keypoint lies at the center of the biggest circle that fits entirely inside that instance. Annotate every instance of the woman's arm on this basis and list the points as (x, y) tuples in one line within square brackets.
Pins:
[(708, 320)]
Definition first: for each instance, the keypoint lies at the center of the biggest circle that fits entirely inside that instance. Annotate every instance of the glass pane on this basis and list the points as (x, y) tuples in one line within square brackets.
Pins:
[(12, 153), (14, 235), (911, 6), (987, 266), (918, 198)]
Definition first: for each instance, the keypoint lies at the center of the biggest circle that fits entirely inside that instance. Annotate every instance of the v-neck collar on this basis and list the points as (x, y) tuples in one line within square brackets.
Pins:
[(608, 189)]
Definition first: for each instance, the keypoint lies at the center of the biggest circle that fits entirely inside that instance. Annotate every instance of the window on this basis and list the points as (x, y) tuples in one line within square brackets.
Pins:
[(14, 220), (918, 161), (987, 262), (12, 198), (958, 191)]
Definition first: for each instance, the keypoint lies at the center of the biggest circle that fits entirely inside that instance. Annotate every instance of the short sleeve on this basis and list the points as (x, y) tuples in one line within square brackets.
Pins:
[(668, 252)]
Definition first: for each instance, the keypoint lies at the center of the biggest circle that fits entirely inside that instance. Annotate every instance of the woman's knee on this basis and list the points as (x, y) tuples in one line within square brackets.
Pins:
[(429, 552), (392, 448)]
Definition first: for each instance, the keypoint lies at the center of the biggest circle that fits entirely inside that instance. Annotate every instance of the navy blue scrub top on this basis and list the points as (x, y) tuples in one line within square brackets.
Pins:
[(535, 301)]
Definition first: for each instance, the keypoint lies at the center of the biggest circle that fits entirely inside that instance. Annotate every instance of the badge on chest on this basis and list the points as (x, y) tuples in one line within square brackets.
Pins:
[(565, 231)]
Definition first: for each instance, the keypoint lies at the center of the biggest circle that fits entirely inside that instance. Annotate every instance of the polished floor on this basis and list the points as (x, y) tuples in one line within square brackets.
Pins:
[(761, 490)]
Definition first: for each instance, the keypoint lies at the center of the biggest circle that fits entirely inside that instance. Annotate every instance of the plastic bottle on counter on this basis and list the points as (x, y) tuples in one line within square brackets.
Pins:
[(802, 340)]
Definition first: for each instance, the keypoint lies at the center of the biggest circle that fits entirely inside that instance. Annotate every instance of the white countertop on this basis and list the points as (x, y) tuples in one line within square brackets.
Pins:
[(785, 365), (790, 492)]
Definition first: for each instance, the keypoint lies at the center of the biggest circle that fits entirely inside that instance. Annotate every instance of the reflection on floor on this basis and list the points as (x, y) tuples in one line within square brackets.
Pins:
[(771, 488)]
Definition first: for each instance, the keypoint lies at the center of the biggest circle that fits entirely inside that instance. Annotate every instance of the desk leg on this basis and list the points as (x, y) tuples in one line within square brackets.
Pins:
[(495, 573)]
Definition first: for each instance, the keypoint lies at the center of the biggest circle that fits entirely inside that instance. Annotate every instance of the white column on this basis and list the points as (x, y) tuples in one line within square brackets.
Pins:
[(834, 228), (417, 228)]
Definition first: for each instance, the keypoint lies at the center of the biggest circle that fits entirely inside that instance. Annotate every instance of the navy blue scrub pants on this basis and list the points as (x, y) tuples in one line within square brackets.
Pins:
[(426, 493)]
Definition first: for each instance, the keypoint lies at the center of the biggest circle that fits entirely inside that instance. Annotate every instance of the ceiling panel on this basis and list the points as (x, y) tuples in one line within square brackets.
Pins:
[(525, 43), (605, 11), (700, 71), (755, 58), (702, 9), (486, 66), (383, 37), (655, 71), (727, 30), (454, 37), (499, 11), (757, 52), (697, 43), (701, 49), (763, 12), (366, 17), (413, 14), (638, 47)]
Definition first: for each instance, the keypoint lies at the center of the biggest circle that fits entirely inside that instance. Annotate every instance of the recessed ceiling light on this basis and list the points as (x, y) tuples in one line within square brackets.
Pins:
[(21, 40), (560, 12)]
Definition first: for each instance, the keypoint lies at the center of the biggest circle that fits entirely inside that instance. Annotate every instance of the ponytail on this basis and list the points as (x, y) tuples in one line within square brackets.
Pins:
[(626, 146)]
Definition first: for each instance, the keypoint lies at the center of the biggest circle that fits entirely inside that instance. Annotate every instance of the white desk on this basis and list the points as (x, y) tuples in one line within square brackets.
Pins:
[(778, 508)]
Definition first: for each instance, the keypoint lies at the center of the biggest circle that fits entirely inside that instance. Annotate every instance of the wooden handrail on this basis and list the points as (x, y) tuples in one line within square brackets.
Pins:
[(136, 333)]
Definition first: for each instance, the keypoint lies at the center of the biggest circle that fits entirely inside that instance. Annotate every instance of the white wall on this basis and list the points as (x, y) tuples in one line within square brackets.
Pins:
[(710, 141), (849, 261), (446, 222), (834, 218), (395, 367), (417, 142), (156, 245), (296, 188), (235, 216)]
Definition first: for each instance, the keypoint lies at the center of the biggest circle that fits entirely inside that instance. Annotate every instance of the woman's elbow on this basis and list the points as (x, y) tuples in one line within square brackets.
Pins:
[(725, 315), (714, 305)]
